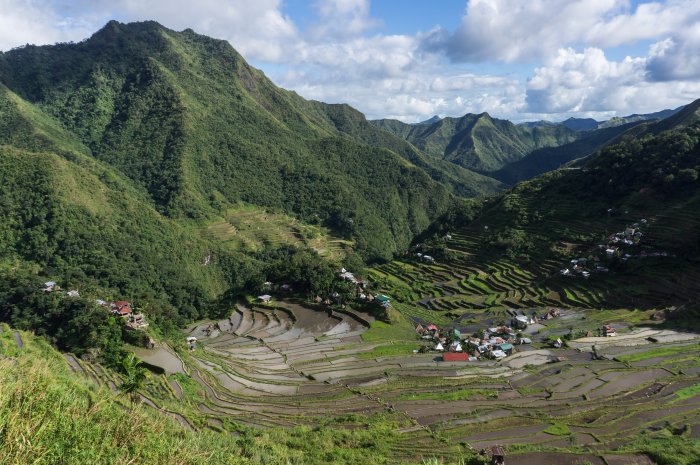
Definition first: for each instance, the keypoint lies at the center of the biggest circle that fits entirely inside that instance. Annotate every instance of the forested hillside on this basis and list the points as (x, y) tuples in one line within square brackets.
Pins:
[(479, 142), (186, 120), (648, 183)]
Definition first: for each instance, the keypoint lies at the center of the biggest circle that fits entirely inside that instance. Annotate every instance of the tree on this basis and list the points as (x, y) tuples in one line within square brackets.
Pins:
[(134, 376)]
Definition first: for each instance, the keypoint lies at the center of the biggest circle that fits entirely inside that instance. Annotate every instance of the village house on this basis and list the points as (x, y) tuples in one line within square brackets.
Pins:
[(137, 321), (121, 308), (50, 286), (609, 331), (73, 294), (265, 298), (383, 300)]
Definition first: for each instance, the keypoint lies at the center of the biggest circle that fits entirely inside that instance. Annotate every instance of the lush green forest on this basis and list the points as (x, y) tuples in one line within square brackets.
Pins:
[(479, 142), (184, 118)]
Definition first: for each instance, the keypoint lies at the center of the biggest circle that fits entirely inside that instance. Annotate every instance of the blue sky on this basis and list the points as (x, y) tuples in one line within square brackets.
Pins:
[(516, 59)]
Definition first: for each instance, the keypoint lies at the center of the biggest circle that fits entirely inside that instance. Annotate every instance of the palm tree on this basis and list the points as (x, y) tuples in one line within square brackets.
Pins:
[(134, 376)]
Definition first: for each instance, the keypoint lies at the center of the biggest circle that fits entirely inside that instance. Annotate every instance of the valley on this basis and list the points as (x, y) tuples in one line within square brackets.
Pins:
[(198, 266)]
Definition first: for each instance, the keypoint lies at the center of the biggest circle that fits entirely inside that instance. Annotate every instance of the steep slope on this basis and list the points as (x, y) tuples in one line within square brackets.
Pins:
[(479, 142), (185, 118), (462, 182), (66, 213)]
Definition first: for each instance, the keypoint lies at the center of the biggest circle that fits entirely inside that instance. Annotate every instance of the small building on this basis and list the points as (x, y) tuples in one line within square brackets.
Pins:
[(265, 298), (383, 300), (506, 347), (432, 327), (439, 347), (498, 354), (121, 308), (557, 344), (520, 322), (497, 455), (50, 286), (455, 357), (609, 331), (73, 293)]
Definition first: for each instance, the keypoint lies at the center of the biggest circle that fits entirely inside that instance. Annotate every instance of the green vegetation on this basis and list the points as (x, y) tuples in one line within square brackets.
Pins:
[(184, 119), (688, 392), (654, 353), (558, 429), (459, 394), (478, 142)]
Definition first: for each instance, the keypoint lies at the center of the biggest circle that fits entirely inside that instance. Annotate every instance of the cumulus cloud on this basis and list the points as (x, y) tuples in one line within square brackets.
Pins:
[(588, 83), (257, 29), (342, 56), (342, 19), (23, 22), (513, 30), (676, 58)]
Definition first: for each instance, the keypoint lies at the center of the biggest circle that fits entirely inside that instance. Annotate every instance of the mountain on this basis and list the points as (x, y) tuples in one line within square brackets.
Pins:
[(186, 121), (648, 179), (580, 124), (461, 181), (551, 158), (659, 115), (478, 142), (432, 120)]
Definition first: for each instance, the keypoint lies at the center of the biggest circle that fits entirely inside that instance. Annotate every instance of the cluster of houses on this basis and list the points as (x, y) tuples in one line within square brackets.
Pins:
[(492, 343), (361, 292), (615, 247), (120, 308), (51, 286)]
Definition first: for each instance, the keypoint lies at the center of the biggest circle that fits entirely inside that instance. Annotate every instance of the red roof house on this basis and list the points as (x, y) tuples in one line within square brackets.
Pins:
[(455, 357), (121, 308)]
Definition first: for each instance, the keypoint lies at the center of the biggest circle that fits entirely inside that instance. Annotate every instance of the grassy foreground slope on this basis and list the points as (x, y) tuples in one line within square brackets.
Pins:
[(48, 415)]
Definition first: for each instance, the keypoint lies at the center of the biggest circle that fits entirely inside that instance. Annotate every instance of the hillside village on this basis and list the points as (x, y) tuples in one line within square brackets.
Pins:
[(120, 308)]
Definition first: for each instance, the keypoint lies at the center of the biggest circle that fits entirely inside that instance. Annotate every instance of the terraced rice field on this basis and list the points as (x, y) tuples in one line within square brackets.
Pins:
[(287, 365), (252, 229)]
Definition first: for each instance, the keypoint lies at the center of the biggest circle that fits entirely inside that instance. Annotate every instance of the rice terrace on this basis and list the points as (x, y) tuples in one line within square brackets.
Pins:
[(484, 251), (292, 362)]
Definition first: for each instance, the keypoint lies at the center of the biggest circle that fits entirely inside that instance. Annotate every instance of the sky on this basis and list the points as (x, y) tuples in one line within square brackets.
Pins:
[(521, 60)]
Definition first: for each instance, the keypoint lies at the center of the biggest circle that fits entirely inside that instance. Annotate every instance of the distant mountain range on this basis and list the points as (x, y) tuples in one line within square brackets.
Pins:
[(589, 124), (509, 152)]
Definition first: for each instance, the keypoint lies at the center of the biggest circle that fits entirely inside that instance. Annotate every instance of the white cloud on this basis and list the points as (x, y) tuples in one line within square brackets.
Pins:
[(28, 22), (515, 30), (342, 19), (676, 58), (411, 77), (588, 83)]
